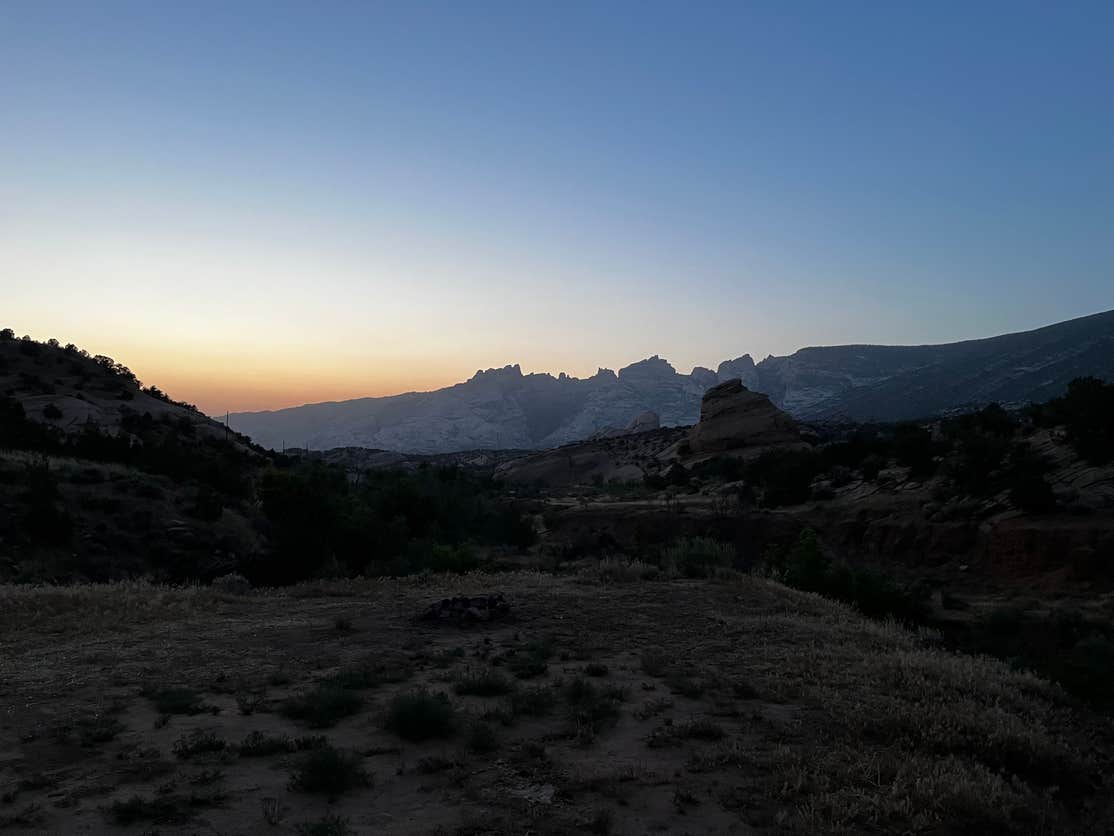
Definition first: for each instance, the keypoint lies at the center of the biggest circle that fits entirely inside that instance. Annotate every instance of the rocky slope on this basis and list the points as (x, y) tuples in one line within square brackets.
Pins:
[(505, 409), (893, 383), (733, 421), (69, 390)]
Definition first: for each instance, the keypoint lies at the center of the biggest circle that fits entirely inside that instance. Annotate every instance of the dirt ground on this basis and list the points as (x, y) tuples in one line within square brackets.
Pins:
[(733, 706)]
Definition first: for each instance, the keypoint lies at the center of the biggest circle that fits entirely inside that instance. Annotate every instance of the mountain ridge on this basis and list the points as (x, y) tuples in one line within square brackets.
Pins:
[(504, 408)]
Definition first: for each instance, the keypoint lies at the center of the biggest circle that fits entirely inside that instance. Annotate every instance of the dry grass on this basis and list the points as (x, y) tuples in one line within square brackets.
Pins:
[(97, 608), (802, 717)]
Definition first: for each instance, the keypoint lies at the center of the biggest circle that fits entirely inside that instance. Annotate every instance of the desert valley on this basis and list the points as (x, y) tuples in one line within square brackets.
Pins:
[(529, 419), (754, 622)]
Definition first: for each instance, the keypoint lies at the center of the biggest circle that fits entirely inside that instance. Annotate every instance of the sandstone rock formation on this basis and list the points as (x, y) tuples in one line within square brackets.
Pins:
[(733, 418)]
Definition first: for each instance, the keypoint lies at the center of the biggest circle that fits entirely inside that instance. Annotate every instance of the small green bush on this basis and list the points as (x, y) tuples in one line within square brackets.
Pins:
[(323, 707), (804, 566), (483, 682), (329, 771), (96, 729), (532, 702), (158, 810), (591, 709), (531, 660), (481, 738), (421, 715), (655, 663), (179, 701)]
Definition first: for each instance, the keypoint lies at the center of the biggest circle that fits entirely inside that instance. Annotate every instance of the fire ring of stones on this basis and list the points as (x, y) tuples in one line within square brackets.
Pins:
[(465, 609)]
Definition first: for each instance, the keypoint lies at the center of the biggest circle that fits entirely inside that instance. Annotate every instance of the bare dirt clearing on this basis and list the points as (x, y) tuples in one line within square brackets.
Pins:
[(679, 707)]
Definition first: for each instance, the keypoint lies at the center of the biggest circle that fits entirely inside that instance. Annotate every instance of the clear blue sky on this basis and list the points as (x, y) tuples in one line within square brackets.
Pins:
[(260, 204)]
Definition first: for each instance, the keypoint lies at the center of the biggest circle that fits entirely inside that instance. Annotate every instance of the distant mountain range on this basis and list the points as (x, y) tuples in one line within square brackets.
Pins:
[(505, 409)]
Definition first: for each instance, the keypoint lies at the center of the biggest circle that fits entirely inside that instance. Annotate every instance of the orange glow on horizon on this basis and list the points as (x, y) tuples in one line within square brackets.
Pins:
[(235, 392)]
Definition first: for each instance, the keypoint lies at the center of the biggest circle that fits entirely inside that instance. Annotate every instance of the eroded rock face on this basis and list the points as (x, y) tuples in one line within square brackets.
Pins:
[(733, 418), (642, 423)]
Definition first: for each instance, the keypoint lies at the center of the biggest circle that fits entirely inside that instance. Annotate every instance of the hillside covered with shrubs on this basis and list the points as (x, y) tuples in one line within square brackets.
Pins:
[(102, 478)]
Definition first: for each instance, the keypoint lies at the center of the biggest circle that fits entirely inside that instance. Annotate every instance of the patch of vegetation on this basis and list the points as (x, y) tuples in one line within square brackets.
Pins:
[(136, 809), (615, 569), (696, 557), (532, 702), (432, 518), (260, 745), (30, 816), (653, 708), (483, 682), (1064, 646), (592, 709), (198, 742), (1085, 411), (681, 682), (531, 660), (804, 566), (448, 658), (420, 520), (420, 715), (324, 706), (327, 825), (655, 663), (161, 809), (207, 777), (94, 729), (249, 704), (369, 675), (702, 729), (784, 477), (433, 764), (602, 821), (179, 701), (329, 771), (596, 669), (481, 738)]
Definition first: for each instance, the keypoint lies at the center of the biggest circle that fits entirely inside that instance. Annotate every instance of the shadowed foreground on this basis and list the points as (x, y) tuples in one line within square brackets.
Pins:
[(682, 707)]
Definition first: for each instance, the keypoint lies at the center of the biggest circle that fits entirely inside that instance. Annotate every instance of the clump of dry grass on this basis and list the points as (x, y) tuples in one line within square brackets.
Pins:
[(614, 569), (92, 608), (198, 742), (324, 706), (592, 709), (483, 682)]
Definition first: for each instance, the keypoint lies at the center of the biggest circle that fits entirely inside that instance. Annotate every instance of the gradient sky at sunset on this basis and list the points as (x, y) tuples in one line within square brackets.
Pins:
[(262, 204)]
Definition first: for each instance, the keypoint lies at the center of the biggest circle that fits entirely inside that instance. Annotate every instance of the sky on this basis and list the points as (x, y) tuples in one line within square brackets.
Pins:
[(258, 205)]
